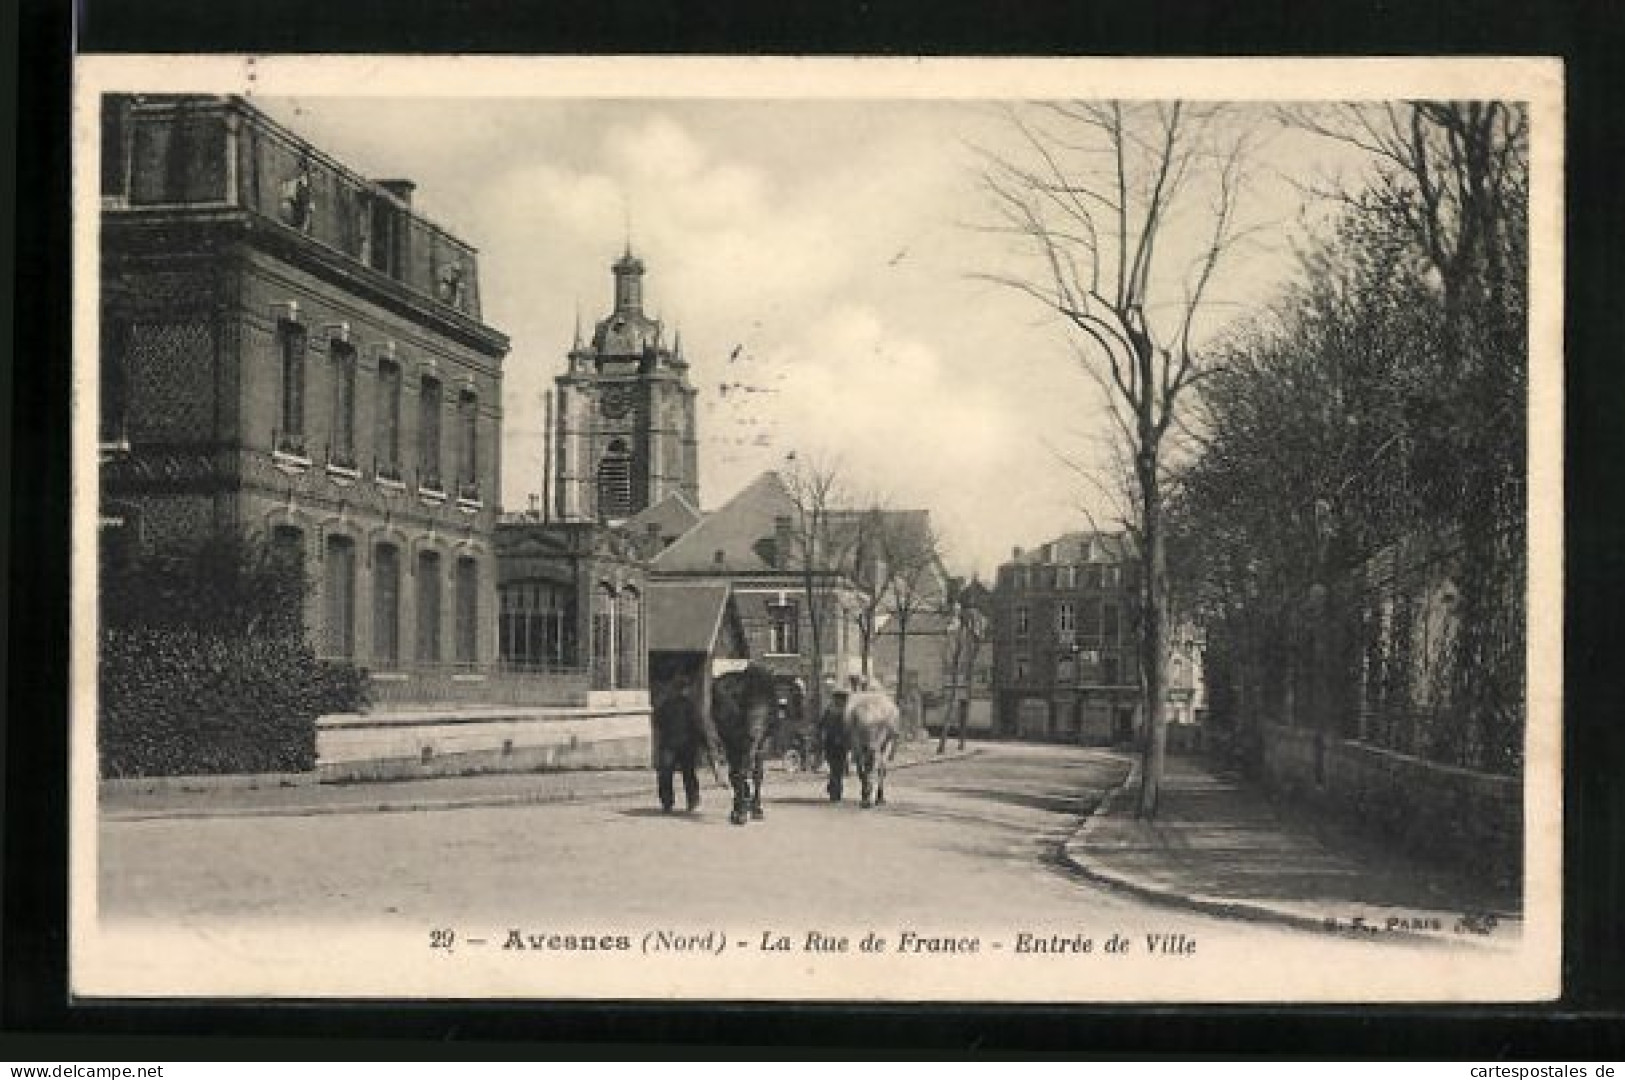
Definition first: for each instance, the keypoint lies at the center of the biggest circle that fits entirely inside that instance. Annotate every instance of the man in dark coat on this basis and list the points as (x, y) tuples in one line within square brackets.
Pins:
[(681, 731)]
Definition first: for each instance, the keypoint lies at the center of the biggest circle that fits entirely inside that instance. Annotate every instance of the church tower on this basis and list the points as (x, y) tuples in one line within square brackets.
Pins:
[(624, 434)]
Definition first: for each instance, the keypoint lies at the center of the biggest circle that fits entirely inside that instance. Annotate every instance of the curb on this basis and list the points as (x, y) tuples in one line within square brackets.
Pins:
[(473, 802), (1222, 907)]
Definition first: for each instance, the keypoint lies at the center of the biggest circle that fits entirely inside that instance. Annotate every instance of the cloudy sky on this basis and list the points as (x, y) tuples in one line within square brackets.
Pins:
[(823, 252)]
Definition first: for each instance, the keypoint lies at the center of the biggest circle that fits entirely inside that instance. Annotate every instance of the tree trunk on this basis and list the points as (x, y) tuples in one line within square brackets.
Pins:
[(970, 697), (1154, 659), (902, 651), (953, 692), (814, 618)]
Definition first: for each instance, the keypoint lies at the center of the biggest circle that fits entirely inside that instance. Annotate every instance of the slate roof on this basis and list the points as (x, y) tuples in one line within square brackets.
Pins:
[(738, 529), (685, 616), (674, 514), (1080, 547)]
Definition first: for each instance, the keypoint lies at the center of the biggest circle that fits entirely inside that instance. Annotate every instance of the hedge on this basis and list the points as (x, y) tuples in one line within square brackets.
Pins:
[(179, 701)]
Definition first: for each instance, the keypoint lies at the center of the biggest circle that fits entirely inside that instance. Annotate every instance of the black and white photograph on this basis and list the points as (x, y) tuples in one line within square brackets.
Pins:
[(817, 530)]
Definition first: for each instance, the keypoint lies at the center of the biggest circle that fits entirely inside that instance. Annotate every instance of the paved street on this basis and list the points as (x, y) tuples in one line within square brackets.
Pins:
[(966, 849), (963, 843)]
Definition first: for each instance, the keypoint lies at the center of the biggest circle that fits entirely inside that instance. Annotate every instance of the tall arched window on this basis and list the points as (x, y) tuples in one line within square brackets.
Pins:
[(615, 482), (386, 605), (339, 582), (428, 607), (468, 611), (341, 451)]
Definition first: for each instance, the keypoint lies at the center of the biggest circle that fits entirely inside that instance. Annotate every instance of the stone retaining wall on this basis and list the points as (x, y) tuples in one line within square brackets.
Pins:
[(1468, 820), (374, 746)]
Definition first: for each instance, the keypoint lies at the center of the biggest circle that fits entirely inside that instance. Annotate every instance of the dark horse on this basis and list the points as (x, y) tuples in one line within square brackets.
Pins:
[(862, 724), (749, 707)]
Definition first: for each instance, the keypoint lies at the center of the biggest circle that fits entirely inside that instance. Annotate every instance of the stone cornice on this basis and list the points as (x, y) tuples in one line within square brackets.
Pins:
[(223, 225)]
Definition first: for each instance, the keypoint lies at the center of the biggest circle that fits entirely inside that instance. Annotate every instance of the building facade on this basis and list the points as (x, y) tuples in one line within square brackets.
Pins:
[(1066, 648), (290, 351), (1064, 641), (622, 415)]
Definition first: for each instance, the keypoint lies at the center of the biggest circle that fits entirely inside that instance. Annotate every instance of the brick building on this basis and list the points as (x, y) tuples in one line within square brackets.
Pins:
[(1066, 647), (1064, 641), (289, 350)]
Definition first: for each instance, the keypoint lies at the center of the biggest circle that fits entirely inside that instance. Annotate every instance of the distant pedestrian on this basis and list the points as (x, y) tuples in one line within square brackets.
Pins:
[(681, 732)]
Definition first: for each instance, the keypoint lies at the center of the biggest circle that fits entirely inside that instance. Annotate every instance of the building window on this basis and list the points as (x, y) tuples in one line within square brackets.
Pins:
[(1109, 674), (388, 415), (429, 434), (428, 607), (115, 386), (1066, 618), (340, 593), (386, 605), (288, 556), (1021, 670), (468, 434), (629, 640), (615, 482), (1108, 620), (381, 235), (288, 549), (291, 340), (1112, 576), (468, 611), (1021, 622), (342, 451), (783, 629), (535, 629), (603, 638), (116, 146), (1067, 577)]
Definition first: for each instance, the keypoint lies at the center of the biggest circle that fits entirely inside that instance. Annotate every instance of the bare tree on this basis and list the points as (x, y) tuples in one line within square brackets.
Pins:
[(863, 547), (813, 484), (913, 552), (1130, 208)]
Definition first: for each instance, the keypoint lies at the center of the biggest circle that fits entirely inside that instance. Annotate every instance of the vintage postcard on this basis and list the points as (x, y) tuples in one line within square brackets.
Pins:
[(817, 529)]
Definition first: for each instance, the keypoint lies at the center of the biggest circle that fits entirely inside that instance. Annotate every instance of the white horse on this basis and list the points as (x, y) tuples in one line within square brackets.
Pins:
[(864, 724)]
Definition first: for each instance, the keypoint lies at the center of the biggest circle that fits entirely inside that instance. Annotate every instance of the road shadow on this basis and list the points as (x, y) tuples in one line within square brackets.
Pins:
[(1069, 805), (656, 812)]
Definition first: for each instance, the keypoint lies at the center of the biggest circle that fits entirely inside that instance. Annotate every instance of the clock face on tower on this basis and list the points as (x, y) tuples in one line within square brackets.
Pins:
[(616, 402)]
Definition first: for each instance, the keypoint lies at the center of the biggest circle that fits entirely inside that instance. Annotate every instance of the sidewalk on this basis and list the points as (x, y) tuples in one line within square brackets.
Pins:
[(301, 795), (1218, 845)]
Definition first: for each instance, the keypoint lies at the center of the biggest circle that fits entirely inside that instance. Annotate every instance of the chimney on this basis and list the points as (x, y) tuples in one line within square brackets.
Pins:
[(401, 189), (781, 540), (1015, 554)]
